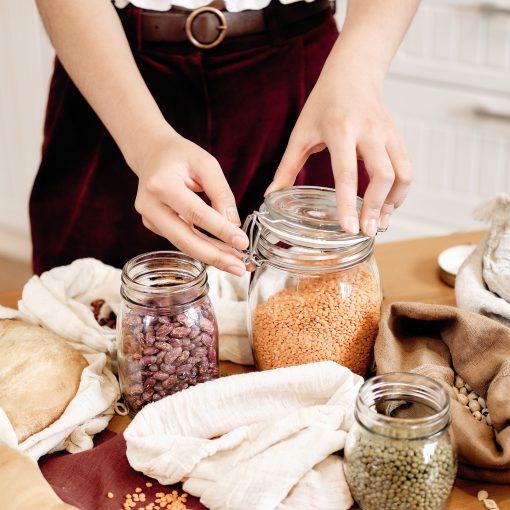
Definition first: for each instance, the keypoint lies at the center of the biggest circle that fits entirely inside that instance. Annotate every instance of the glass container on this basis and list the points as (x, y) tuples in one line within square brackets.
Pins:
[(167, 336), (315, 292), (399, 455)]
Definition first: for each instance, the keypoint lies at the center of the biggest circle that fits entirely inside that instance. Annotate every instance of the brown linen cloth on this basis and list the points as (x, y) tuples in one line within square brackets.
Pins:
[(435, 340)]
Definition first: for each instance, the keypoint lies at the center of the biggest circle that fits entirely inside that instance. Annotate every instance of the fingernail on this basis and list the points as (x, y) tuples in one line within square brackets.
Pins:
[(384, 222), (371, 227), (237, 270), (240, 242), (232, 215), (353, 224)]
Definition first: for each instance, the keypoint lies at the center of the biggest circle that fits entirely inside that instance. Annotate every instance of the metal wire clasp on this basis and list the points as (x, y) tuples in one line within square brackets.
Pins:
[(252, 228)]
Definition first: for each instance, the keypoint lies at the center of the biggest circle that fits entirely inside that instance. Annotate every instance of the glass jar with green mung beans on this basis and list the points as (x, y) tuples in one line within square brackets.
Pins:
[(399, 455)]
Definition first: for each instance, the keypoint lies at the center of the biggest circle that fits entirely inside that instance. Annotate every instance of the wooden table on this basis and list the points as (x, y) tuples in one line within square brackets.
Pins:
[(409, 272)]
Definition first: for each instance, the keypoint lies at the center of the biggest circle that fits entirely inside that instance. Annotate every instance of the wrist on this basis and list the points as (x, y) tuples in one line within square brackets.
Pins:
[(144, 141)]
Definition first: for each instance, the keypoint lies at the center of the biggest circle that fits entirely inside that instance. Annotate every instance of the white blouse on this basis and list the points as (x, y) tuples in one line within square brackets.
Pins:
[(231, 5)]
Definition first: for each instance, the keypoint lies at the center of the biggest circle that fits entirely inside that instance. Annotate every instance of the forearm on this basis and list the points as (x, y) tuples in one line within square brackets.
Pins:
[(90, 42), (371, 34)]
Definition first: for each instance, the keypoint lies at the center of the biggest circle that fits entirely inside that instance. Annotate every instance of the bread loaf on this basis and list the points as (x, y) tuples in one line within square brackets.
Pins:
[(39, 375)]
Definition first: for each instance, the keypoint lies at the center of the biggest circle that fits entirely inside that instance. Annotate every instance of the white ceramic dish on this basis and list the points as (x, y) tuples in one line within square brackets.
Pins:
[(450, 261)]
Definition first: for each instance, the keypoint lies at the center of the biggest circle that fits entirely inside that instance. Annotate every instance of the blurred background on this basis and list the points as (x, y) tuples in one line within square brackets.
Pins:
[(448, 88)]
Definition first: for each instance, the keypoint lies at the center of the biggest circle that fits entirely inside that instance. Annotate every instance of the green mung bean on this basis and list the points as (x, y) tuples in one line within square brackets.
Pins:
[(400, 474)]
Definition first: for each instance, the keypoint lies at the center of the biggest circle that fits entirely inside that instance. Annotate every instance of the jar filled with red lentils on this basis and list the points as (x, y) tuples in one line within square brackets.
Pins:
[(315, 293), (167, 336)]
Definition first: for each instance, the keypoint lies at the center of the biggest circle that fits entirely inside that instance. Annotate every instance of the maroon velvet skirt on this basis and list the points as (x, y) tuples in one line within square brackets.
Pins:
[(239, 101)]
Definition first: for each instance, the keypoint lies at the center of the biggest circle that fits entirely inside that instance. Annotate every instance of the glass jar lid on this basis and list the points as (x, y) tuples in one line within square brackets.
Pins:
[(297, 227), (307, 216)]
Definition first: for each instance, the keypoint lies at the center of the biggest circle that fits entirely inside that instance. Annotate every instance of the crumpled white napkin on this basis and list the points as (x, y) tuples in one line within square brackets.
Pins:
[(60, 301), (60, 298), (482, 284), (257, 441)]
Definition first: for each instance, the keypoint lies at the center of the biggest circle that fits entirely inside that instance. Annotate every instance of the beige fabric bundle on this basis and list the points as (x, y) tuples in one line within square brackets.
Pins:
[(483, 281), (436, 340)]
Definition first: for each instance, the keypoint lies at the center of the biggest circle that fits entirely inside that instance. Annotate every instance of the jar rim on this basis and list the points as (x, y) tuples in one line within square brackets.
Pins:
[(405, 385), (163, 273)]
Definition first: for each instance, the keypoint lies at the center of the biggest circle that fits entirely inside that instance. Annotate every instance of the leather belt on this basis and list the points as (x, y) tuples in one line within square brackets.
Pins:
[(207, 26)]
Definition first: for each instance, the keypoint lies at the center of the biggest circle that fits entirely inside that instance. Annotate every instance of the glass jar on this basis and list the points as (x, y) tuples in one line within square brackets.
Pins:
[(167, 336), (315, 293), (399, 455)]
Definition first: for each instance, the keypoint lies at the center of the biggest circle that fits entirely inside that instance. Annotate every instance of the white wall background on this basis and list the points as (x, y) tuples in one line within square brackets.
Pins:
[(449, 89), (26, 58)]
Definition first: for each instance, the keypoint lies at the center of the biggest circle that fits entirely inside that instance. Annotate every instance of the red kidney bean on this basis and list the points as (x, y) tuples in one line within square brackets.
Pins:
[(168, 368), (194, 332), (199, 352), (148, 360), (171, 356), (169, 383), (166, 353), (164, 330), (150, 381), (162, 346), (160, 357), (207, 326), (182, 358), (181, 332), (184, 320)]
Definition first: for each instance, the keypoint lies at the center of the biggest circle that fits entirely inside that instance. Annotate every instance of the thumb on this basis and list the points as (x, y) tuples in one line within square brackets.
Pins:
[(292, 162)]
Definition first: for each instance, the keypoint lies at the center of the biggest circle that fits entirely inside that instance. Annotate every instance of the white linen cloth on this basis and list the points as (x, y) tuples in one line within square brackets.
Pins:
[(482, 284), (257, 441), (230, 5), (60, 300)]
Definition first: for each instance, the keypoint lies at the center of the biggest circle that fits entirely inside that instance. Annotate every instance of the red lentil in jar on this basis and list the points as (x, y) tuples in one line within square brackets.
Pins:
[(315, 294)]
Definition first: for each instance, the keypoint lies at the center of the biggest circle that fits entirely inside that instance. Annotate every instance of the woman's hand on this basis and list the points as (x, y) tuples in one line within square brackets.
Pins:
[(351, 120), (171, 170), (170, 174), (345, 112)]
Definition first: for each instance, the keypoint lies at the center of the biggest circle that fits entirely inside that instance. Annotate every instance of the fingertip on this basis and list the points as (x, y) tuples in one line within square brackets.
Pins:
[(351, 224), (240, 241), (369, 227)]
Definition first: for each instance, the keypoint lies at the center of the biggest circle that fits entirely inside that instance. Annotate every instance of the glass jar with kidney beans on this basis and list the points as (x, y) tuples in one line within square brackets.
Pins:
[(167, 336)]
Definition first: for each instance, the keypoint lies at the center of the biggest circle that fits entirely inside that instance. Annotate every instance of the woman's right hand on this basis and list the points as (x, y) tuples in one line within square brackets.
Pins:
[(171, 171)]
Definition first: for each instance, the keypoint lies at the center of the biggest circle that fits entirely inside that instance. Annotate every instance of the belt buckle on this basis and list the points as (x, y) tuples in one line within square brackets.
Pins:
[(222, 27)]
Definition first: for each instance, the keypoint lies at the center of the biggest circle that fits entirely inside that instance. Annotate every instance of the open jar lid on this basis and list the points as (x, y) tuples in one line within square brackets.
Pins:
[(307, 216)]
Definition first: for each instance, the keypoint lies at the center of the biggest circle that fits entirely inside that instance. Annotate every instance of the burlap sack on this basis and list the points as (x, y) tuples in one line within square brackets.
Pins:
[(435, 340)]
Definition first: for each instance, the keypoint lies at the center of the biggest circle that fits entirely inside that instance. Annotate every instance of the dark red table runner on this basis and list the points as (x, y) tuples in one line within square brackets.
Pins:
[(84, 479)]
